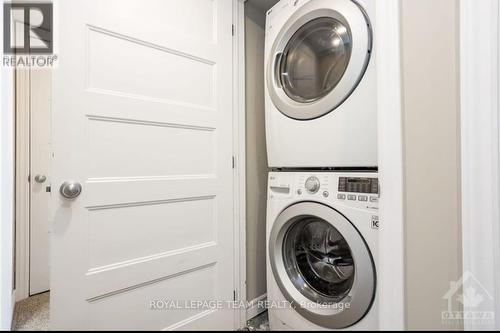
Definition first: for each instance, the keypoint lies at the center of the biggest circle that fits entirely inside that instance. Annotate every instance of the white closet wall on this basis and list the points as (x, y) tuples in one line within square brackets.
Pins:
[(432, 166), (256, 154)]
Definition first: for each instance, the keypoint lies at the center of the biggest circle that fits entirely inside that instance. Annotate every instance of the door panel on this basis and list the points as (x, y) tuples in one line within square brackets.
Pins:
[(143, 120), (195, 224), (126, 308), (115, 145), (40, 85), (193, 76)]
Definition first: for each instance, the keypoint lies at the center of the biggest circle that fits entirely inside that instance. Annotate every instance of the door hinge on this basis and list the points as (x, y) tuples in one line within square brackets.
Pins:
[(234, 162), (232, 29)]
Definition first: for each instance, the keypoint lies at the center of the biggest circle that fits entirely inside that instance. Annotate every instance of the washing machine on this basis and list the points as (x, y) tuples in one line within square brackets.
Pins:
[(322, 238), (320, 86)]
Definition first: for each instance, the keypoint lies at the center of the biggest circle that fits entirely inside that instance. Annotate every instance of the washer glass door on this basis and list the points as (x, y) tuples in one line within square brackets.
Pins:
[(315, 59), (322, 265), (320, 262)]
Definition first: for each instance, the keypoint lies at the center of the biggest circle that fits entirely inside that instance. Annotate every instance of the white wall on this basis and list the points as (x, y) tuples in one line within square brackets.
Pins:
[(256, 156), (6, 192), (432, 158)]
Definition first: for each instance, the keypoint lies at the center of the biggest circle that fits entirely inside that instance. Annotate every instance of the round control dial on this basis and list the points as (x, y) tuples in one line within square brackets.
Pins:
[(312, 185)]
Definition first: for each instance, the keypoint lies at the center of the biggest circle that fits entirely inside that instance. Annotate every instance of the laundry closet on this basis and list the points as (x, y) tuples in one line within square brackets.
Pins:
[(316, 72), (431, 150)]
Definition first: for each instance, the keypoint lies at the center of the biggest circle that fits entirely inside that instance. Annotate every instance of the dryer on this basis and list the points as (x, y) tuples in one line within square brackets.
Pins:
[(321, 84), (322, 237)]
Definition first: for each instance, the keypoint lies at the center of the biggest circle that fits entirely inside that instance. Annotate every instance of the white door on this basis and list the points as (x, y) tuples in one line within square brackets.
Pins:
[(40, 91), (142, 119)]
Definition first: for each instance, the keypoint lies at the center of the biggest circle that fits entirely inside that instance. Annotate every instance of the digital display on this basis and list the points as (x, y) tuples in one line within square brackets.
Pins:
[(358, 185)]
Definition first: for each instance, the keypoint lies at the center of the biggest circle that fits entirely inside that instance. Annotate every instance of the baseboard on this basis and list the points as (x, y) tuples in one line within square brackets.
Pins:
[(13, 309), (256, 307)]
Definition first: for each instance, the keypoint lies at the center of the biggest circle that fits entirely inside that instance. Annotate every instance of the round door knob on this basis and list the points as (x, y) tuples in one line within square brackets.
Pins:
[(312, 185), (40, 179), (70, 190)]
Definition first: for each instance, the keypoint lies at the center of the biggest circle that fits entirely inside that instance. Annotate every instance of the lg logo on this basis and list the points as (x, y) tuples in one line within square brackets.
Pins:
[(28, 28)]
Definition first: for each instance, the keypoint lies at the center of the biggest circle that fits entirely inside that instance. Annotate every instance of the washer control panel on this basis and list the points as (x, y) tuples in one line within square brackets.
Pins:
[(353, 189), (358, 185)]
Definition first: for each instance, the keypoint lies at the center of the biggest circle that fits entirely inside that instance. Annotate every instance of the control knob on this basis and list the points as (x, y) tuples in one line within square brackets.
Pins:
[(312, 185)]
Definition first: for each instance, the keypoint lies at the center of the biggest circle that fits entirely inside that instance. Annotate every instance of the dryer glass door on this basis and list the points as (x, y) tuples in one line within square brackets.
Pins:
[(315, 59), (318, 58)]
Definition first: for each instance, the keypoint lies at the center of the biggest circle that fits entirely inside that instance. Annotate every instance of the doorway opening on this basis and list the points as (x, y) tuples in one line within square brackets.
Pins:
[(33, 190)]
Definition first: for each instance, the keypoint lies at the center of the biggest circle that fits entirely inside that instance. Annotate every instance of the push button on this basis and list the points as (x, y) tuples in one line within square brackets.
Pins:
[(363, 198), (373, 199), (341, 196), (351, 197)]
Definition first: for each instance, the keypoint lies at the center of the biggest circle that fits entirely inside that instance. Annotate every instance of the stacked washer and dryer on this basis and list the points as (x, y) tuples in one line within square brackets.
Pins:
[(323, 192)]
